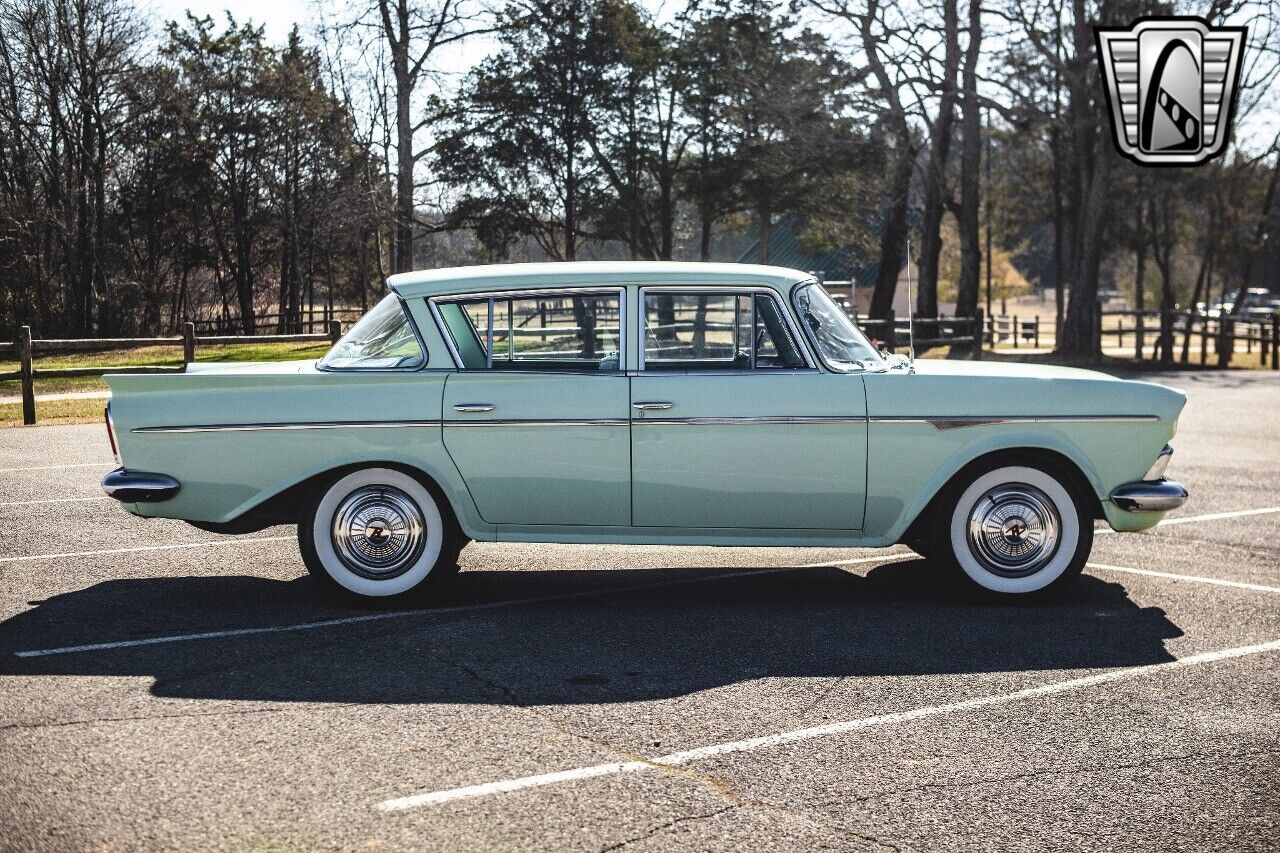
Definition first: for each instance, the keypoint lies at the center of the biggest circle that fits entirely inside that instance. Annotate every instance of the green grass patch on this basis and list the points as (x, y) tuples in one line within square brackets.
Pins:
[(56, 412), (148, 357)]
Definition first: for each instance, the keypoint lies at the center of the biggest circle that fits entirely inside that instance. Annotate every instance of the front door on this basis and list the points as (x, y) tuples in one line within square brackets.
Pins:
[(733, 428), (537, 418)]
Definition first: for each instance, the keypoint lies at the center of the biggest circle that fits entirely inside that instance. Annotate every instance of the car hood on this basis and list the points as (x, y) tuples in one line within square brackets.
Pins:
[(1006, 370), (980, 388)]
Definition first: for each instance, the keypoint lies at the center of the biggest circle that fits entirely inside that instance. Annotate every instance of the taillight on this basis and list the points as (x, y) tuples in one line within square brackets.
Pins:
[(111, 434)]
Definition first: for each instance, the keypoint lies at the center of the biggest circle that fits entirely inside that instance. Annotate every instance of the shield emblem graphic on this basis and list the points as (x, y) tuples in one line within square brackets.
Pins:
[(1170, 86)]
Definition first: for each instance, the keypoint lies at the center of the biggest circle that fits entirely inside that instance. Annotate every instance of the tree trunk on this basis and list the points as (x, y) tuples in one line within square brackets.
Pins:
[(1140, 283), (403, 249), (1092, 167), (893, 236), (970, 165), (935, 189), (765, 221), (1202, 278)]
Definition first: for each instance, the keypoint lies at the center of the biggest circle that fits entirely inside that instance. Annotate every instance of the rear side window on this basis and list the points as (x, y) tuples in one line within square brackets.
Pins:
[(383, 339), (553, 332)]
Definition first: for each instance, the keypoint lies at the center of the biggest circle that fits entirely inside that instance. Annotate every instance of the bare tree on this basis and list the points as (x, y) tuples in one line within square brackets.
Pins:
[(870, 22), (415, 34)]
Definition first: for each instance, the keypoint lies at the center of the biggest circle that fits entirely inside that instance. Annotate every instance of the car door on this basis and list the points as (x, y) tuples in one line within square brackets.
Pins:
[(733, 427), (536, 418)]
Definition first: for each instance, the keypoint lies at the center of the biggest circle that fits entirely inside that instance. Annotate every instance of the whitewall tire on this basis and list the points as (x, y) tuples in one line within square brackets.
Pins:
[(377, 533), (1013, 531)]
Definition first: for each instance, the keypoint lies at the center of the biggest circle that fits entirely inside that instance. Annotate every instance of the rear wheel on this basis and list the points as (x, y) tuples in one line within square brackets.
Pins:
[(1013, 531), (378, 533)]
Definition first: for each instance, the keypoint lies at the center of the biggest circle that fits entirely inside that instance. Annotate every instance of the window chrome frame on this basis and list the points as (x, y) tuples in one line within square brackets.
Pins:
[(413, 326), (784, 311), (620, 291)]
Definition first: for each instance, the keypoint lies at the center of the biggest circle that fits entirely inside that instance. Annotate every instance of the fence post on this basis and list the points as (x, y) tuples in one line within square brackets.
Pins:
[(1204, 340), (188, 344), (1166, 335), (1275, 341), (1139, 351), (1226, 341), (335, 331), (1037, 342), (28, 377), (1097, 327), (891, 331), (979, 334)]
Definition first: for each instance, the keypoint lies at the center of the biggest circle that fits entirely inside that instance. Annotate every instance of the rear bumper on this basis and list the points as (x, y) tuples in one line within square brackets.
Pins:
[(136, 487), (1150, 496)]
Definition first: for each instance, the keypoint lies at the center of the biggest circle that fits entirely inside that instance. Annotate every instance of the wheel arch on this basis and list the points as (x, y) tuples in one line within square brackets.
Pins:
[(1052, 460), (285, 505)]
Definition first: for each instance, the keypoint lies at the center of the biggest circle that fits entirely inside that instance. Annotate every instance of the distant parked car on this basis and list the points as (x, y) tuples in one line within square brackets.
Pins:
[(1251, 303), (651, 403)]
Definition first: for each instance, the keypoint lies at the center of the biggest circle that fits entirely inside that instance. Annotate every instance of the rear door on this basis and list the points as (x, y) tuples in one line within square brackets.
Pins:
[(732, 427), (537, 419)]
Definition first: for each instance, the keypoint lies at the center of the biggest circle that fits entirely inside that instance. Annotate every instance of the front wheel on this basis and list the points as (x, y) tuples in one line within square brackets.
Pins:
[(1013, 531), (377, 533)]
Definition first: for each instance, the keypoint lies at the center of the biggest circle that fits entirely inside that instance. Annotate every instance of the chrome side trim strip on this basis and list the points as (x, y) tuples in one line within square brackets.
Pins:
[(941, 422), (534, 422), (276, 427), (944, 422), (775, 419)]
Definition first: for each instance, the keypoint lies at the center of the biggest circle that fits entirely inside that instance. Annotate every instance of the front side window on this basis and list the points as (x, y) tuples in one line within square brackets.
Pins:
[(544, 332), (383, 339), (839, 342), (716, 331)]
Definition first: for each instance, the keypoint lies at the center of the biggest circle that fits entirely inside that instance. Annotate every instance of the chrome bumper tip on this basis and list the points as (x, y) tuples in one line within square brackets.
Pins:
[(1150, 496), (133, 487)]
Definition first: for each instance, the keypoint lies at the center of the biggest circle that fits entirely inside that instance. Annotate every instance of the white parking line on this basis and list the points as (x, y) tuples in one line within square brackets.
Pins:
[(55, 501), (677, 759), (55, 467), (139, 548), (1214, 516), (1194, 578), (489, 605)]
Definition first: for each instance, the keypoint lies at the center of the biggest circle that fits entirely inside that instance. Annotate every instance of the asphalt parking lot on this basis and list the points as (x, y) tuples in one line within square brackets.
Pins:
[(161, 687)]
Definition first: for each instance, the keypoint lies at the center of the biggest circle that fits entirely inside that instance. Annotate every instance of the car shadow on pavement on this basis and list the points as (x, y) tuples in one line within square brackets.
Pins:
[(695, 631)]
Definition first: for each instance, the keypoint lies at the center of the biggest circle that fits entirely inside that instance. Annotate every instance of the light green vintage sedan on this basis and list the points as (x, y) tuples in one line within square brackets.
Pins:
[(656, 403)]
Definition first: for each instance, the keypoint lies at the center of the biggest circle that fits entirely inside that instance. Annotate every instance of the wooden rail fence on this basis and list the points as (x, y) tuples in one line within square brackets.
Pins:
[(27, 350), (895, 333), (1166, 335)]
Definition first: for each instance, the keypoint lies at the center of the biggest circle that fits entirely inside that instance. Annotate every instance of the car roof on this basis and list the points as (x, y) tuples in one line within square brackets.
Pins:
[(586, 273)]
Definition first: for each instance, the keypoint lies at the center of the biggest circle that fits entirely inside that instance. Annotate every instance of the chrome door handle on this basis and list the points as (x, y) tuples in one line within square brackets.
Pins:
[(473, 407), (650, 405)]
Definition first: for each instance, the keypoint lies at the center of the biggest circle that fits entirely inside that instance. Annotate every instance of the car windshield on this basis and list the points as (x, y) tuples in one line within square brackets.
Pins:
[(382, 339), (840, 343)]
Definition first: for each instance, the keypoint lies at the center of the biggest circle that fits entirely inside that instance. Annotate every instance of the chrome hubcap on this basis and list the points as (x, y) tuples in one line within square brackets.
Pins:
[(378, 532), (1014, 530)]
